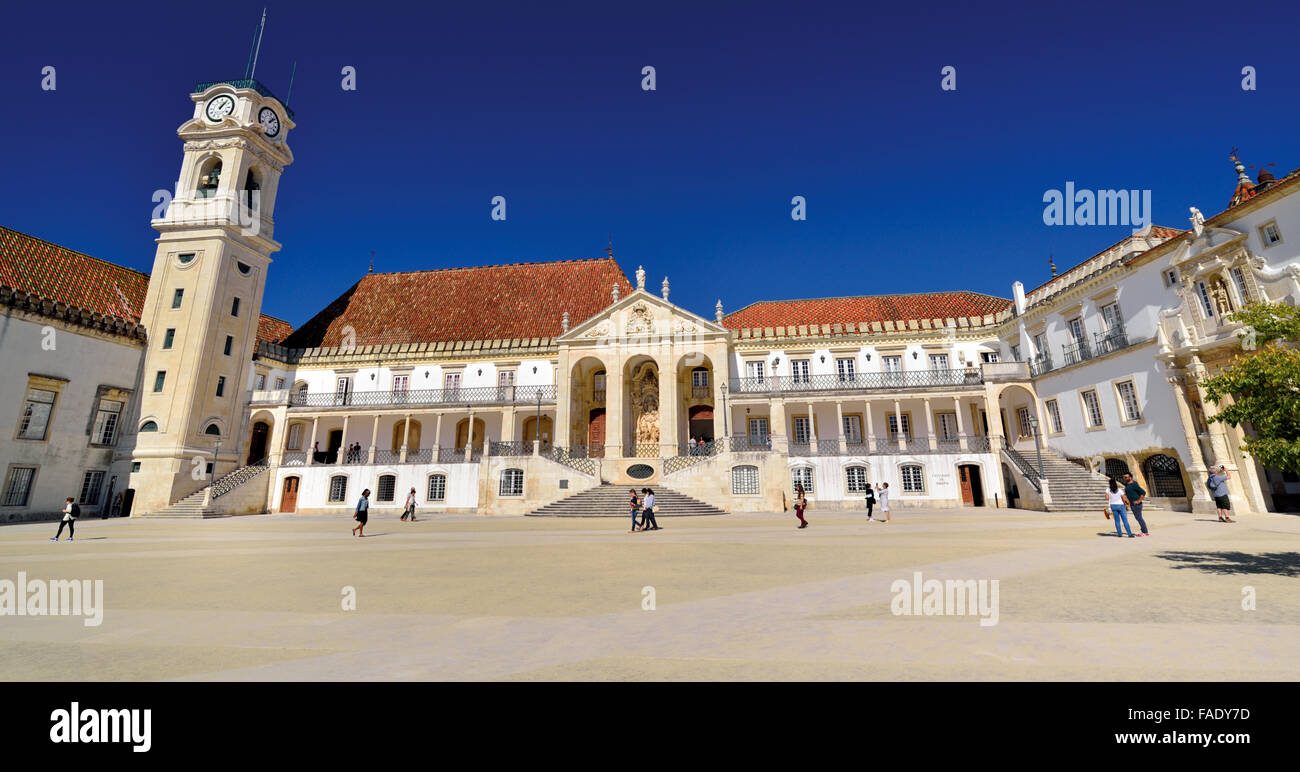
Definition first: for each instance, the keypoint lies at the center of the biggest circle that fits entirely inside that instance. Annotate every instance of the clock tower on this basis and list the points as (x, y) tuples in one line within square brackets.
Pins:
[(205, 291)]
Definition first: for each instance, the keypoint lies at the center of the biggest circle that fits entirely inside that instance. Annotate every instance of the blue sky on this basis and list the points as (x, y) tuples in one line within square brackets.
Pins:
[(909, 188)]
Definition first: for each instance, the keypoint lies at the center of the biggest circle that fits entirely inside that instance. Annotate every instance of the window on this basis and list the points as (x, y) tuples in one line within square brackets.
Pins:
[(1239, 279), (947, 425), (1054, 416), (1128, 401), (295, 436), (135, 466), (386, 488), (230, 342), (506, 384), (1022, 418), (1171, 277), (244, 268), (1015, 353), (91, 485), (451, 382), (177, 296), (700, 377), (798, 370), (279, 384), (1117, 468), (1110, 316), (338, 489), (149, 426), (1164, 477), (1204, 293), (855, 479), (18, 485), (159, 379), (758, 432), (844, 369), (802, 434), (234, 307), (990, 356), (342, 387), (302, 394), (852, 429), (1076, 329), (259, 383), (744, 480), (1040, 344), (1269, 234), (938, 361), (913, 478), (401, 385), (213, 430), (437, 487), (894, 432), (221, 385), (104, 431), (169, 337), (512, 482), (186, 258), (36, 414), (1092, 409), (801, 475), (754, 370)]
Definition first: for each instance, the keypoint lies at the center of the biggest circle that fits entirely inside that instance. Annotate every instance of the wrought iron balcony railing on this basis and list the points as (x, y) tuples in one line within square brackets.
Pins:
[(1076, 352), (750, 444), (858, 381), (480, 395), (1039, 365), (1113, 339)]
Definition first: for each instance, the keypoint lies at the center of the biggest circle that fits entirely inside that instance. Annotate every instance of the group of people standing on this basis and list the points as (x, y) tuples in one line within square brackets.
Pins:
[(646, 506), (353, 454), (875, 493)]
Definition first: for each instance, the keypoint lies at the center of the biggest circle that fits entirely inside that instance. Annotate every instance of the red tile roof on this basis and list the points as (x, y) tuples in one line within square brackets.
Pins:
[(498, 302), (42, 268), (864, 309)]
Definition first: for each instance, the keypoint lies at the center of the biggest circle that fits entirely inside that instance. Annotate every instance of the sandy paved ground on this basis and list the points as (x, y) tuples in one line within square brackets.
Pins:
[(736, 597)]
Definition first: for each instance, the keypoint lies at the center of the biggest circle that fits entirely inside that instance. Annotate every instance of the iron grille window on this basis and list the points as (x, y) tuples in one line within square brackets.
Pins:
[(744, 480), (1164, 477), (856, 479), (913, 478), (19, 485), (90, 488), (804, 475), (387, 485), (338, 489), (512, 482), (437, 487), (1116, 467), (36, 414)]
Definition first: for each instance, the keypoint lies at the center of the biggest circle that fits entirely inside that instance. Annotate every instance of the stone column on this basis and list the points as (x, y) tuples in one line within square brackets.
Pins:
[(995, 420), (1218, 430), (839, 421), (437, 437), (898, 422), (508, 422), (406, 436), (929, 426), (311, 444), (1196, 470), (563, 404), (374, 438), (962, 442), (780, 442), (343, 447), (812, 430), (469, 437), (668, 400), (614, 410), (871, 434)]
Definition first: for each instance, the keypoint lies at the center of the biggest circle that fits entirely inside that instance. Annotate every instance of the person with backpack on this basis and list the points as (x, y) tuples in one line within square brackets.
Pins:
[(871, 502), (1134, 496), (1218, 485), (1115, 500), (362, 514), (410, 506), (71, 511)]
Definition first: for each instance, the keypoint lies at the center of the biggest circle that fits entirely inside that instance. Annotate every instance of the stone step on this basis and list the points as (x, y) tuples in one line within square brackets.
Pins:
[(611, 501)]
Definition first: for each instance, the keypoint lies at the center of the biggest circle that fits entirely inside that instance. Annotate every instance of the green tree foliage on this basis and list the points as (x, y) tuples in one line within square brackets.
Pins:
[(1264, 383)]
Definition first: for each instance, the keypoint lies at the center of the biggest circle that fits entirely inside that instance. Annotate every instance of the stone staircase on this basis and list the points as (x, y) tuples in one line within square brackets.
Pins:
[(611, 501), (1072, 487), (193, 505)]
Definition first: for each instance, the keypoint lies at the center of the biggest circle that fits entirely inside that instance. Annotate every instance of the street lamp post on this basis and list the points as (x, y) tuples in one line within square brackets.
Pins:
[(212, 478), (1038, 443), (537, 432), (725, 433)]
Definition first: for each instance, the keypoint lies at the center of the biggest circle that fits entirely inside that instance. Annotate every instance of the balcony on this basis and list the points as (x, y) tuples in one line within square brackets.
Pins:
[(1076, 352), (1040, 365), (1113, 339), (910, 379), (485, 395), (701, 392)]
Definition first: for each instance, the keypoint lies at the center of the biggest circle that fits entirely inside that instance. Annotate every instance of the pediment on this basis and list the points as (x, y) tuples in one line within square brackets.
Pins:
[(642, 315)]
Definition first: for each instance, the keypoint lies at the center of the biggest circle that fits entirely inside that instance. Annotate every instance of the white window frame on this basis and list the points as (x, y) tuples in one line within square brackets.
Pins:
[(858, 485), (947, 425), (1054, 416), (342, 497), (438, 494), (755, 370), (744, 480), (802, 474), (512, 483), (765, 426), (1023, 415), (802, 426), (104, 431), (939, 362), (1130, 409), (379, 489), (1110, 317), (33, 407), (891, 425), (913, 486), (845, 368), (1091, 407), (800, 371), (1264, 237)]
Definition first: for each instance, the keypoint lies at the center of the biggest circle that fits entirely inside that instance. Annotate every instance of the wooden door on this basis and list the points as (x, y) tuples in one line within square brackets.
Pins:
[(289, 499), (596, 434), (967, 495)]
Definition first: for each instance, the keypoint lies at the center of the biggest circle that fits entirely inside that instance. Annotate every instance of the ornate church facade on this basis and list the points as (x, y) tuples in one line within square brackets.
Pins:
[(171, 393)]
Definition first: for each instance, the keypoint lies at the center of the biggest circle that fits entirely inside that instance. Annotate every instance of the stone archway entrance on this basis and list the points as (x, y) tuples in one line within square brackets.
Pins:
[(257, 445), (700, 422), (596, 433)]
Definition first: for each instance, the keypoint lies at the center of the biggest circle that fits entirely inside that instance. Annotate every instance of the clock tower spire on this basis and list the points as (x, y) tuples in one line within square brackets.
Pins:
[(205, 291)]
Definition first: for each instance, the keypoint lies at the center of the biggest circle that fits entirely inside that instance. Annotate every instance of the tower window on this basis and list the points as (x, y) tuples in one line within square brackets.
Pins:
[(177, 297), (148, 426), (168, 337), (221, 385), (230, 341), (244, 268), (252, 198), (213, 430), (209, 179), (234, 307), (186, 258), (159, 379)]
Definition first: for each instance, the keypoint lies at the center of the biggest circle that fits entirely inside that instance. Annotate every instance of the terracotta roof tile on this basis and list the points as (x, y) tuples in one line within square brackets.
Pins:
[(42, 268), (864, 309), (498, 302)]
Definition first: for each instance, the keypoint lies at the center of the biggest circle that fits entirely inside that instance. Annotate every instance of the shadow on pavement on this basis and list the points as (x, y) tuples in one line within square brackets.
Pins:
[(1276, 563)]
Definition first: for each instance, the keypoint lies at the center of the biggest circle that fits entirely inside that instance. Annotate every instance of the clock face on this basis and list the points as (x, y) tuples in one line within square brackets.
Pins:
[(270, 121), (220, 107)]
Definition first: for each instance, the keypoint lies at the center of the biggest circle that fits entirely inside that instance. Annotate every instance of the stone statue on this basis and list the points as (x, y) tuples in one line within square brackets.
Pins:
[(1221, 298), (640, 278), (614, 293), (1198, 221), (645, 404)]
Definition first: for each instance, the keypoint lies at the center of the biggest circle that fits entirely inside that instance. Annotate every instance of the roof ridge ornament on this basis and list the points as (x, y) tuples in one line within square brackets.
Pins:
[(614, 292), (640, 277), (717, 311), (665, 288)]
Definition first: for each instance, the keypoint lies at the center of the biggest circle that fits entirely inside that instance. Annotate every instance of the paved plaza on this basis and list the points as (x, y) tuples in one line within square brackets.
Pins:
[(739, 597)]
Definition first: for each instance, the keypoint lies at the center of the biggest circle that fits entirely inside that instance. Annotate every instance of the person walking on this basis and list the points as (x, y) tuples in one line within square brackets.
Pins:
[(648, 522), (362, 514), (633, 505), (70, 513), (1134, 496), (1218, 485), (1115, 500), (871, 502), (882, 494), (410, 506), (800, 504)]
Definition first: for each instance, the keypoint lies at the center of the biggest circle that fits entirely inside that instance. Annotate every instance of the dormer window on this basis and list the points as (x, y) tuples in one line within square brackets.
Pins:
[(209, 178)]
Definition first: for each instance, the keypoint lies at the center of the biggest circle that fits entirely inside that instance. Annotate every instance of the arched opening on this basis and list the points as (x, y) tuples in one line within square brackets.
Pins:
[(1116, 467), (587, 400), (300, 393), (251, 194), (213, 430), (149, 426), (1012, 491), (257, 442), (412, 439), (1018, 411), (462, 434), (209, 178), (386, 488), (530, 432), (1164, 476), (641, 407), (700, 423)]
